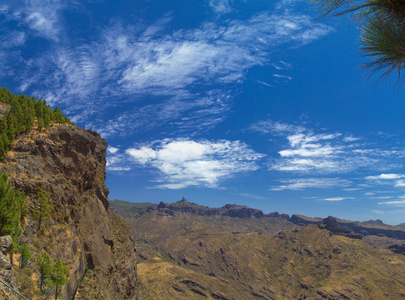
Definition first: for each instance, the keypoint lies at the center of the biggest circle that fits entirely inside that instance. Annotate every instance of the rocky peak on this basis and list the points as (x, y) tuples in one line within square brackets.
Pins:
[(331, 224), (183, 201)]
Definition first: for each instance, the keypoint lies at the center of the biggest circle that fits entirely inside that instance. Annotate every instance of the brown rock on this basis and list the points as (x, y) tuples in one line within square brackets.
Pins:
[(6, 270), (6, 244), (69, 164)]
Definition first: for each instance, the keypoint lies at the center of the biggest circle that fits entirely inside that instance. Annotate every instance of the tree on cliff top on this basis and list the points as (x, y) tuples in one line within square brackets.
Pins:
[(382, 25)]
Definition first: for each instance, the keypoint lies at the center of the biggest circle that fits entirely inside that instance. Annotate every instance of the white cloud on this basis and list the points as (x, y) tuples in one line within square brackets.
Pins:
[(388, 179), (195, 114), (305, 183), (116, 161), (184, 163), (142, 155), (276, 128), (125, 63), (118, 169), (43, 17), (352, 189), (279, 76), (325, 153), (220, 6), (333, 199), (400, 203), (265, 83), (220, 52), (112, 150), (399, 183), (252, 196), (385, 176), (351, 139), (311, 150)]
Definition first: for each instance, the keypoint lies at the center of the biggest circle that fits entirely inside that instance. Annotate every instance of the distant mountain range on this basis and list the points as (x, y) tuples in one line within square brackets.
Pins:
[(188, 251)]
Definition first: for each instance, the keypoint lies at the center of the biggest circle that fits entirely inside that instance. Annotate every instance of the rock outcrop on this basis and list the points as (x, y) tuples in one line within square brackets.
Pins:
[(368, 228), (69, 164), (6, 270), (331, 224)]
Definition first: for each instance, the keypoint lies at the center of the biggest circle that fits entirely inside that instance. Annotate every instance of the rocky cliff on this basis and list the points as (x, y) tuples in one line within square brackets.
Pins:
[(69, 164), (6, 269)]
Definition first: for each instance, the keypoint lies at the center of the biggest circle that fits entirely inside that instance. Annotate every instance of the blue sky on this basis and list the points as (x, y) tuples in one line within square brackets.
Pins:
[(259, 103)]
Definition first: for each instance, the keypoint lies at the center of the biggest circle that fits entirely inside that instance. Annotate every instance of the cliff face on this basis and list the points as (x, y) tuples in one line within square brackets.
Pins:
[(6, 270), (69, 164)]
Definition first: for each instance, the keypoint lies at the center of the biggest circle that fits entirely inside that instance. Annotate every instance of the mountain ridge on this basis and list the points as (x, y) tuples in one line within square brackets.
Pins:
[(242, 211), (259, 257)]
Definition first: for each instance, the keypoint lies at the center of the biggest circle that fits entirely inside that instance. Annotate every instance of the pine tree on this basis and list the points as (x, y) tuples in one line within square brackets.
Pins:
[(5, 140), (2, 150), (10, 128), (9, 211), (25, 256), (40, 124), (58, 276), (42, 212), (21, 200), (45, 268), (39, 109), (58, 115), (382, 25)]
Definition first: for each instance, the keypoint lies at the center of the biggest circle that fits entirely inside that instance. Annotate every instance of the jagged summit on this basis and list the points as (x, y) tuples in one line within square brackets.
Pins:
[(183, 201)]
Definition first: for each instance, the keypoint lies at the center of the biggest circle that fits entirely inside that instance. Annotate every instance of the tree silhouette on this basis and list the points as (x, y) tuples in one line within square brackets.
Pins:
[(382, 26)]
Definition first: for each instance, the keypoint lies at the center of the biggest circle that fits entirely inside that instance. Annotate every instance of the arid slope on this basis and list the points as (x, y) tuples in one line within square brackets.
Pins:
[(246, 256)]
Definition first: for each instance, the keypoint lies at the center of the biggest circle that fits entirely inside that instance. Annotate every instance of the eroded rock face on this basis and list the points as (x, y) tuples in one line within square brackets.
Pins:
[(6, 270), (6, 244), (69, 164)]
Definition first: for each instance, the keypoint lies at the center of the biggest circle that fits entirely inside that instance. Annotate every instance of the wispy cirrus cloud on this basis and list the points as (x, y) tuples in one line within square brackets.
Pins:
[(220, 6), (306, 183), (197, 114), (126, 63), (184, 163), (393, 179), (276, 128), (42, 17), (336, 199), (400, 202), (306, 150)]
